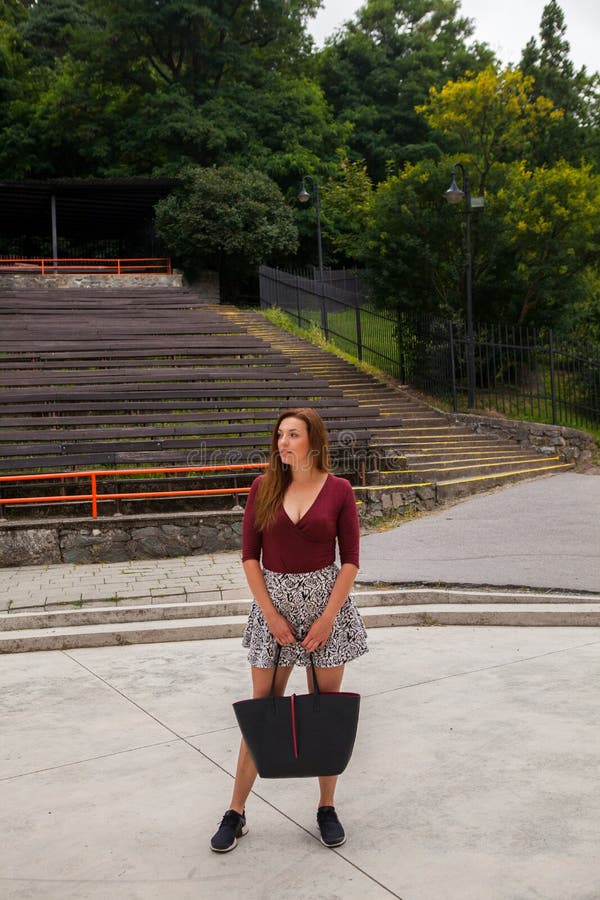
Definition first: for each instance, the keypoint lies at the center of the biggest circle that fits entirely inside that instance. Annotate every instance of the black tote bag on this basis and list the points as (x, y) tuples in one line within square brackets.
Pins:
[(301, 735)]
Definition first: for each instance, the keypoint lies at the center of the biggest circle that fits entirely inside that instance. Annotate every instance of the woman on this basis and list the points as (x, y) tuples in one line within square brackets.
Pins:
[(294, 513)]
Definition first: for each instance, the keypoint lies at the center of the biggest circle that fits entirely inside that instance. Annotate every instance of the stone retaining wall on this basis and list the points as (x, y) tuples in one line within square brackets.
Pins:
[(118, 539), (27, 282), (377, 503), (123, 538), (570, 444), (206, 285)]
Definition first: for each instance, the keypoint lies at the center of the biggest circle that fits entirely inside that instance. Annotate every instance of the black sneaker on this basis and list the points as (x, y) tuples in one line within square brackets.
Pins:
[(332, 832), (231, 828)]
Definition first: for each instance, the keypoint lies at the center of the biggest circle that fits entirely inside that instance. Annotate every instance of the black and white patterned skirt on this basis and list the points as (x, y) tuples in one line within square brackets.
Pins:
[(301, 598)]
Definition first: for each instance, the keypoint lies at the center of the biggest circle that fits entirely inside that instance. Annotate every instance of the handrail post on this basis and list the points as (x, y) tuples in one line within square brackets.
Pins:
[(94, 496), (43, 271), (118, 267)]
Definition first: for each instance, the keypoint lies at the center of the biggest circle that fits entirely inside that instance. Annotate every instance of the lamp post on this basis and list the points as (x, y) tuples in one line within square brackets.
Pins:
[(304, 197), (454, 195)]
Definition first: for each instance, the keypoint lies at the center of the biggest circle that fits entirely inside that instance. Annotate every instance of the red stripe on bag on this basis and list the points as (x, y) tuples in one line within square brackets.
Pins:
[(294, 738)]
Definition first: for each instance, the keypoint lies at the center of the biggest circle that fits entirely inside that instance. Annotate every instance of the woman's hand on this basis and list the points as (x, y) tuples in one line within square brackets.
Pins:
[(318, 634), (281, 629)]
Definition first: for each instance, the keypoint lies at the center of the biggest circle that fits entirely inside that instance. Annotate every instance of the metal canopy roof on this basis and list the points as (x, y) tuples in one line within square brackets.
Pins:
[(88, 208)]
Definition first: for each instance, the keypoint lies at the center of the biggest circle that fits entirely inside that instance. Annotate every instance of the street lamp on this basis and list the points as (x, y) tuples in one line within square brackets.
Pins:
[(453, 195), (304, 197)]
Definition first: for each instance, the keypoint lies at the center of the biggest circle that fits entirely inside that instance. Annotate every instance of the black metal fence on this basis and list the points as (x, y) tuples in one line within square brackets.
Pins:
[(521, 372)]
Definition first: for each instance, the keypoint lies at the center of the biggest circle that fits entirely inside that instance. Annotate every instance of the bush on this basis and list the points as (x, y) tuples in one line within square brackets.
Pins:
[(227, 219)]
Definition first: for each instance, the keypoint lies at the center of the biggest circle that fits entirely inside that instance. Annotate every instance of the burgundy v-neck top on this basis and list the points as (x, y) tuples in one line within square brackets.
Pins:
[(310, 544)]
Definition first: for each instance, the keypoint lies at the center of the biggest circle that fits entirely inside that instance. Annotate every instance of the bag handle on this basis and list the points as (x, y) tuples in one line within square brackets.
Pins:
[(312, 664)]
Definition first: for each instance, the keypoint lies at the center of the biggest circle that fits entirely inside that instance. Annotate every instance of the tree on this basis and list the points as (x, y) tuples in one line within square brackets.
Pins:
[(411, 251), (226, 219), (202, 45), (539, 230), (347, 202), (489, 118), (581, 320), (131, 88), (574, 92), (52, 27), (382, 64), (550, 217), (17, 90)]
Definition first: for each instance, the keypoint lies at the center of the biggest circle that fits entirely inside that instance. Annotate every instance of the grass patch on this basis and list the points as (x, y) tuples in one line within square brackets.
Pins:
[(510, 408), (282, 320)]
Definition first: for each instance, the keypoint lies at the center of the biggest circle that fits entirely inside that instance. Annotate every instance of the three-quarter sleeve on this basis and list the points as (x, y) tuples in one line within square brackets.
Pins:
[(348, 532), (251, 536)]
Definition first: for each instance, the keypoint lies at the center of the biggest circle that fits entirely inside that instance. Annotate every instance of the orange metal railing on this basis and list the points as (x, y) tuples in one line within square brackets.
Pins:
[(94, 497), (82, 265)]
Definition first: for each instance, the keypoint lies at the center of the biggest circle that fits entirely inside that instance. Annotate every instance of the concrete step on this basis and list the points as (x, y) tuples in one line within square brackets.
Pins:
[(232, 626), (459, 472), (453, 458), (453, 488), (380, 607), (439, 452), (522, 615), (91, 613), (420, 436), (441, 436), (453, 455), (407, 595), (111, 634)]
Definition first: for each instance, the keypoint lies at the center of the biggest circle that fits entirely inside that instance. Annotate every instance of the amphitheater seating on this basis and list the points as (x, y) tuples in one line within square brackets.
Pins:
[(96, 379)]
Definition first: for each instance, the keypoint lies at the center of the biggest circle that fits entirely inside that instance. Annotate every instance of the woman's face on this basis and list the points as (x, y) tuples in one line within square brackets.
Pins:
[(293, 443)]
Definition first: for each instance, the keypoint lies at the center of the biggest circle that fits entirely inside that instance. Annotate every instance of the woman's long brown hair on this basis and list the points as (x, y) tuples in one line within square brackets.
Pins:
[(278, 476)]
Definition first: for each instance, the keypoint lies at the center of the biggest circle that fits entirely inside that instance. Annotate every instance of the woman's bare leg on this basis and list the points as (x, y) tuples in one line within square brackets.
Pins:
[(246, 773), (330, 681)]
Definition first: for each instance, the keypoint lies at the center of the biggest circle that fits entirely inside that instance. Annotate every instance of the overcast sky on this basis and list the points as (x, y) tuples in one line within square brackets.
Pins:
[(506, 25)]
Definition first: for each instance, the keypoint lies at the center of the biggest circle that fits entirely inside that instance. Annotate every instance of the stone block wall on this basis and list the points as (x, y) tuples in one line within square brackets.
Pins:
[(377, 502), (570, 444), (118, 539), (206, 285), (30, 281)]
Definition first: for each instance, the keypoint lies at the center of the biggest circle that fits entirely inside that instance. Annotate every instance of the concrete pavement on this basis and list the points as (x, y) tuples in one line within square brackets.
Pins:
[(474, 775), (543, 533), (182, 579)]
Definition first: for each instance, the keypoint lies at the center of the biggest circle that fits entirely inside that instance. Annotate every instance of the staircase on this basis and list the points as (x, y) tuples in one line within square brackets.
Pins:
[(432, 458), (148, 622)]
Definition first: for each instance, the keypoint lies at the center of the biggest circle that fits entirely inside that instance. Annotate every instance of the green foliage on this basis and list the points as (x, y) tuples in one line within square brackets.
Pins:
[(530, 246), (131, 88), (347, 201), (382, 64), (378, 117), (575, 92), (409, 238), (52, 28), (203, 45), (550, 218), (226, 219), (489, 118), (580, 319)]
